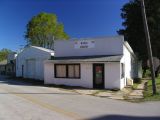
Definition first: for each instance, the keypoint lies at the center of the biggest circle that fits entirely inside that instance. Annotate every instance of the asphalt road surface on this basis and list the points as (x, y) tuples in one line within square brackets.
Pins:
[(23, 101)]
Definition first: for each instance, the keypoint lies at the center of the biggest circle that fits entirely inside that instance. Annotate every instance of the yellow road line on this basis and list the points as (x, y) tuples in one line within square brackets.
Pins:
[(42, 104)]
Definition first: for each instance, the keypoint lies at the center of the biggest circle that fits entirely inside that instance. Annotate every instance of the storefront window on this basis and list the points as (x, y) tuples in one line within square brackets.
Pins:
[(60, 71), (67, 70)]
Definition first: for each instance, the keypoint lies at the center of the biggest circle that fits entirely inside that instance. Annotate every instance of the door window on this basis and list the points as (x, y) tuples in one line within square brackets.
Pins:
[(99, 75)]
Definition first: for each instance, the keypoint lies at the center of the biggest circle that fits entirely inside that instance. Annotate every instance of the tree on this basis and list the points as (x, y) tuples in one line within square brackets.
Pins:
[(4, 53), (43, 29), (133, 30)]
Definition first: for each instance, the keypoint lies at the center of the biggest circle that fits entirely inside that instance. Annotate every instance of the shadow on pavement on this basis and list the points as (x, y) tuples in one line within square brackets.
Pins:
[(37, 93), (32, 82), (121, 117), (28, 82), (20, 81)]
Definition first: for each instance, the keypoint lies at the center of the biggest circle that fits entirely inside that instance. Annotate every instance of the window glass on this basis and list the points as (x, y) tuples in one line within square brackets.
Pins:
[(122, 70), (60, 70), (67, 71), (77, 72), (71, 71)]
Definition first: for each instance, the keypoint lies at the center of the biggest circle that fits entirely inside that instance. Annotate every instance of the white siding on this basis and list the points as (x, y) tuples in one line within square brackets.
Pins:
[(131, 65), (40, 69), (103, 46), (112, 75), (30, 68), (32, 56), (127, 60), (86, 76)]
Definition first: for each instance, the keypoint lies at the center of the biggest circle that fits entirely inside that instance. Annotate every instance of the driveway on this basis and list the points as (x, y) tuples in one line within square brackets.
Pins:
[(23, 101)]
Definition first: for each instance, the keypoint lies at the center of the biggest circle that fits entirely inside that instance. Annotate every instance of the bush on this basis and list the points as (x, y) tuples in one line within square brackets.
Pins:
[(147, 73)]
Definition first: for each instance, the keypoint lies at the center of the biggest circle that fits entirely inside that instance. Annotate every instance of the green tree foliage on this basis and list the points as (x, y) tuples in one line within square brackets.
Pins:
[(3, 53), (133, 30), (43, 29)]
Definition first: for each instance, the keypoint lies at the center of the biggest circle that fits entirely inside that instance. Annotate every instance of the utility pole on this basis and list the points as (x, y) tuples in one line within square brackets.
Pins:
[(148, 46)]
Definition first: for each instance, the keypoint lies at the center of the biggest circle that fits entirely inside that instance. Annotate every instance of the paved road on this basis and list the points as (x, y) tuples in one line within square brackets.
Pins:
[(21, 101)]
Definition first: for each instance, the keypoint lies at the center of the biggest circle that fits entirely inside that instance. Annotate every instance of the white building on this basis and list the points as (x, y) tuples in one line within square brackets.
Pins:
[(106, 62), (29, 62)]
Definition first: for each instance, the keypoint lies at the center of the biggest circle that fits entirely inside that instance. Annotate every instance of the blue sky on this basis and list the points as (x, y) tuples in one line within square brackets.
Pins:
[(81, 18)]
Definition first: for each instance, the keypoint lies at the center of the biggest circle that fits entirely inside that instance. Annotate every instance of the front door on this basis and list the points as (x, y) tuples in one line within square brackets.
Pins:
[(98, 76)]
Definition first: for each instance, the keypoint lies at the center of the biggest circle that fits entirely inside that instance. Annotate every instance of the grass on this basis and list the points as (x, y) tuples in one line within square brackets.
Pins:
[(148, 96), (135, 85)]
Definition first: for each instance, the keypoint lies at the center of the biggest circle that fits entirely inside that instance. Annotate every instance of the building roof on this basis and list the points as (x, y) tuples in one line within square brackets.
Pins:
[(39, 48), (99, 37), (4, 62), (126, 44), (44, 49), (101, 58)]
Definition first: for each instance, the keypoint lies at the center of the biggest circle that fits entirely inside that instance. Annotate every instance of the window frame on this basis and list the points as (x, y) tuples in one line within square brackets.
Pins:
[(55, 71), (122, 70), (67, 72)]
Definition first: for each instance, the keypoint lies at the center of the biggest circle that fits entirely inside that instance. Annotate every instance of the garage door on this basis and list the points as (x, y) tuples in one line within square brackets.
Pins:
[(31, 68)]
